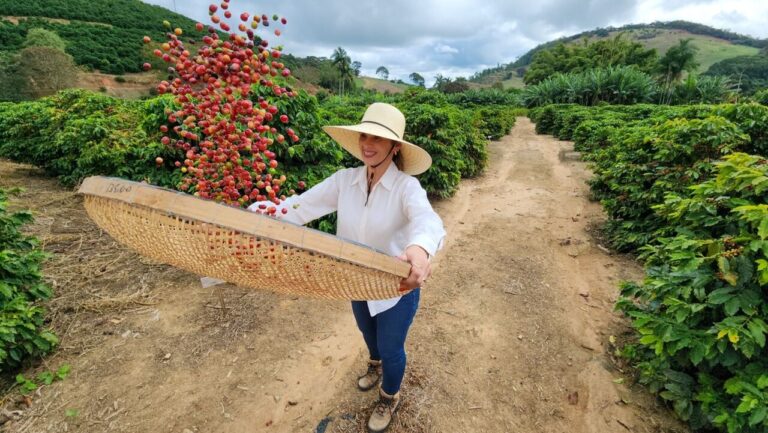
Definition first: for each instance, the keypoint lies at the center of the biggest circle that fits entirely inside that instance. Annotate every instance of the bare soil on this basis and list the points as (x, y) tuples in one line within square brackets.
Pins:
[(140, 85), (382, 86), (513, 333), (133, 86)]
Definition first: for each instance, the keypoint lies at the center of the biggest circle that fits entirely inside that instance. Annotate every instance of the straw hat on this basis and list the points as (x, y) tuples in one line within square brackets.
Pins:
[(382, 120)]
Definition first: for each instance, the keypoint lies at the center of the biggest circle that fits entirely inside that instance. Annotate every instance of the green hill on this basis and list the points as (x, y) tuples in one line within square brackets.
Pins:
[(105, 37), (379, 85), (714, 45), (100, 34)]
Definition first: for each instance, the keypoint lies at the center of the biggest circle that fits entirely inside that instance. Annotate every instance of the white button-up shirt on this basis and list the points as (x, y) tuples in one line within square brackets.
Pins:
[(396, 216)]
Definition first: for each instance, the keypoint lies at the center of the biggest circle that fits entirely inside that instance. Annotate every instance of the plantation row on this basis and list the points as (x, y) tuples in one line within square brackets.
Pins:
[(686, 187), (76, 133)]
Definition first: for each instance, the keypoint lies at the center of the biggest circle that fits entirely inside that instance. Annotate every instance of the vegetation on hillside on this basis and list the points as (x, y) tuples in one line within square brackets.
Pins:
[(730, 45), (690, 27), (749, 73), (649, 80), (41, 68), (613, 52), (121, 14), (101, 35)]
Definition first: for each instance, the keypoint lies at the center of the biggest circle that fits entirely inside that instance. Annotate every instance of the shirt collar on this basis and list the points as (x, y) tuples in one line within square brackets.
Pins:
[(386, 181)]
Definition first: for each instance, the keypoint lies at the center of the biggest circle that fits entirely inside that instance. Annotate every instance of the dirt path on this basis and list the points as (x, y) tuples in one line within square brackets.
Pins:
[(512, 334)]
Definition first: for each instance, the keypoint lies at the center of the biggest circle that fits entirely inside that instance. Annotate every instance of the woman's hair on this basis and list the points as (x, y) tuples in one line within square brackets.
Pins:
[(398, 157)]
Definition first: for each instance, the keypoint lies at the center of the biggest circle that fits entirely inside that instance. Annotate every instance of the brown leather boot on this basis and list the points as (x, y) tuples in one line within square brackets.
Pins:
[(383, 412), (371, 377)]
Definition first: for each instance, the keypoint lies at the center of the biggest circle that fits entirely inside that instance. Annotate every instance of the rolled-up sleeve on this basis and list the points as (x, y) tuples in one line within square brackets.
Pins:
[(316, 202), (425, 228)]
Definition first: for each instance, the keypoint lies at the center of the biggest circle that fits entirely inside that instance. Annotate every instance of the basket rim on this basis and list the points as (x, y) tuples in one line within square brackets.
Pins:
[(180, 204)]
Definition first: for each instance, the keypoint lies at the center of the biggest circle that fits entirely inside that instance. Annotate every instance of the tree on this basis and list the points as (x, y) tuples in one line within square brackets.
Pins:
[(343, 64), (417, 79), (382, 72), (678, 59), (748, 73), (37, 37), (579, 57), (440, 82), (44, 71), (458, 85), (356, 67), (10, 81)]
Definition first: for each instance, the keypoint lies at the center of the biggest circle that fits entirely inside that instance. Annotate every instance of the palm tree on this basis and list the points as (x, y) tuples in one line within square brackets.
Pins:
[(440, 81), (343, 63), (678, 59)]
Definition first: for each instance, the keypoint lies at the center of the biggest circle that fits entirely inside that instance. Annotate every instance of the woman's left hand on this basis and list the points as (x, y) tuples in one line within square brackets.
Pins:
[(420, 267)]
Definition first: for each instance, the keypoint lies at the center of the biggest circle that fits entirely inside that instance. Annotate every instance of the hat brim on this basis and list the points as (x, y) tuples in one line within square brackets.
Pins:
[(415, 159)]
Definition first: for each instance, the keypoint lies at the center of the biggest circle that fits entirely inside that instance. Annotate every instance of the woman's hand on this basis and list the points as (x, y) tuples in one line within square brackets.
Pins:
[(420, 267)]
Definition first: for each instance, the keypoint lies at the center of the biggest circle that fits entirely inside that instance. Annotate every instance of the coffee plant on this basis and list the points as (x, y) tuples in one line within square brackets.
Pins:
[(701, 311), (681, 194), (22, 329)]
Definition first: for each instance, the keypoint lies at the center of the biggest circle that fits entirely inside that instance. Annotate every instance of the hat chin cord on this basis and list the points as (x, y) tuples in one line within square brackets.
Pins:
[(375, 166)]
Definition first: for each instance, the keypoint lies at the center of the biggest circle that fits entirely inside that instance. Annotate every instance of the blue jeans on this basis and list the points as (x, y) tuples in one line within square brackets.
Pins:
[(385, 333)]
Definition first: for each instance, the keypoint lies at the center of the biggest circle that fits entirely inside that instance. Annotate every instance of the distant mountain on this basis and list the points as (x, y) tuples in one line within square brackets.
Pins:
[(714, 45)]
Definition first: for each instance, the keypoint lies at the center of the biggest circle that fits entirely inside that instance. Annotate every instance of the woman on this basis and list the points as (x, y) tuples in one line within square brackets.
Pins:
[(380, 204)]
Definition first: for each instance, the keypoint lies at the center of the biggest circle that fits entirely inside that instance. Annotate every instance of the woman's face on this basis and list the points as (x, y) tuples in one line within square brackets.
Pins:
[(376, 149)]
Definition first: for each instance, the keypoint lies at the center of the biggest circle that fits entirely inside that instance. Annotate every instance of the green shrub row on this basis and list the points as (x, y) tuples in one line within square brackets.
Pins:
[(76, 133), (639, 154), (22, 329), (563, 120), (680, 190), (701, 311)]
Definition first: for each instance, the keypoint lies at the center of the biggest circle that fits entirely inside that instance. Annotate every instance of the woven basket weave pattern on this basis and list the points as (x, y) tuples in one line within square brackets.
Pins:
[(244, 259)]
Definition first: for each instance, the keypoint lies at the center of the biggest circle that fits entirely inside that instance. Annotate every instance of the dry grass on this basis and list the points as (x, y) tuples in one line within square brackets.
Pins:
[(92, 277), (411, 417)]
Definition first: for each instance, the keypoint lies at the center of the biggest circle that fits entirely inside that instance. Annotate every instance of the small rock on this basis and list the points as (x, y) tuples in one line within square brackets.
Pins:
[(520, 337), (584, 294), (573, 398), (292, 402), (604, 249), (167, 357)]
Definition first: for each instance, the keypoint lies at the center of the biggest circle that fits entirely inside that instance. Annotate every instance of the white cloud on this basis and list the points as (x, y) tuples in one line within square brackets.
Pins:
[(461, 37), (445, 49)]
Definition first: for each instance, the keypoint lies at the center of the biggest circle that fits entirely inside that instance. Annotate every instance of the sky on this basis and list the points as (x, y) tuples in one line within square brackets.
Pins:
[(458, 37)]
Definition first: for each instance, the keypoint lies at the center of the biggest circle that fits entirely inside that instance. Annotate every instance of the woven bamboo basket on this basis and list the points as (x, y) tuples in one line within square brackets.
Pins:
[(238, 246)]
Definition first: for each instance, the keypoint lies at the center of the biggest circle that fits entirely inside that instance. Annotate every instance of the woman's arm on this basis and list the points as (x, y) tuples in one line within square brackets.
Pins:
[(425, 228), (425, 234), (318, 201)]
